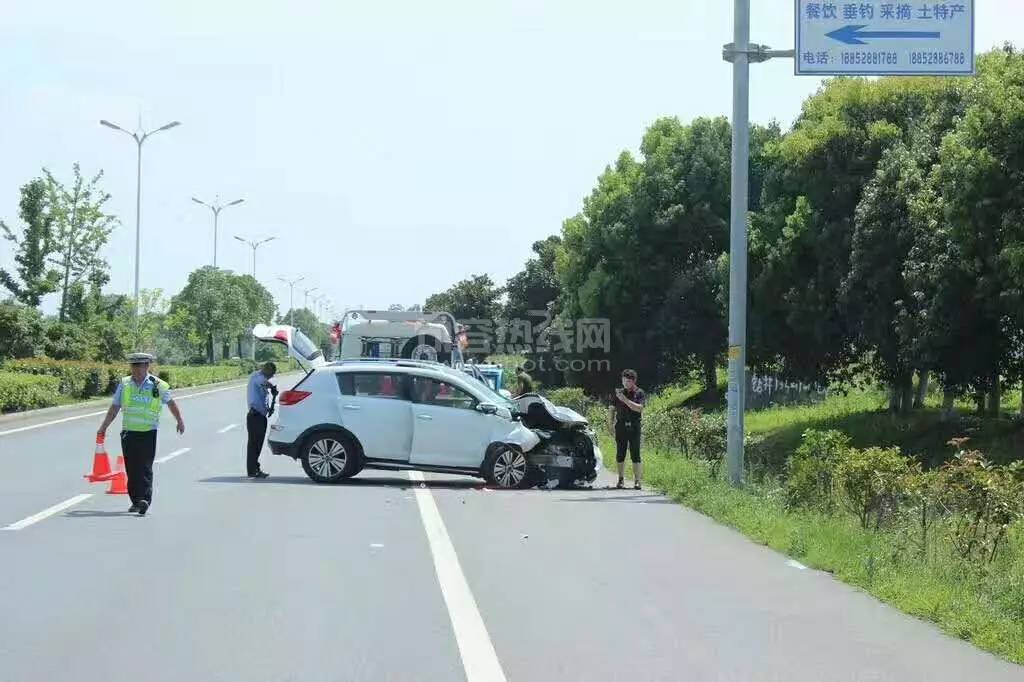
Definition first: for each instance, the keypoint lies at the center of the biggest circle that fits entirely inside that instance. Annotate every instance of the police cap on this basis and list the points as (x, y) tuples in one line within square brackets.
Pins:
[(140, 359)]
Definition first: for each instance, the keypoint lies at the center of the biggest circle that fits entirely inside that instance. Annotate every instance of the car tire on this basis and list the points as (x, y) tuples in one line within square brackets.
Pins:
[(424, 348), (507, 467), (330, 456)]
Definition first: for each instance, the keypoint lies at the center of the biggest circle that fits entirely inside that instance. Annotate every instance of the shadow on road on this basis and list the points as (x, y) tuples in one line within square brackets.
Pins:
[(639, 498), (96, 513), (369, 482)]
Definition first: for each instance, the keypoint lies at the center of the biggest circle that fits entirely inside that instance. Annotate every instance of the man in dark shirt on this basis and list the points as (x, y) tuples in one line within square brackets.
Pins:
[(524, 382), (627, 407)]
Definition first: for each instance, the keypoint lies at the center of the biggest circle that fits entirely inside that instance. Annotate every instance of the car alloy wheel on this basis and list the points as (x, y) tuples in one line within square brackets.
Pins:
[(509, 468), (327, 457)]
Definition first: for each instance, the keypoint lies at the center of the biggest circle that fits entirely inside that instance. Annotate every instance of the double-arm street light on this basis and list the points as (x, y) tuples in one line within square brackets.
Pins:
[(305, 297), (216, 207), (291, 296), (254, 245), (139, 136)]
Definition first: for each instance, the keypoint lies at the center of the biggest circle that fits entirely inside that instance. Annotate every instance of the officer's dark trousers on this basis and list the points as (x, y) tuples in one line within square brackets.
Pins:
[(139, 449), (256, 425)]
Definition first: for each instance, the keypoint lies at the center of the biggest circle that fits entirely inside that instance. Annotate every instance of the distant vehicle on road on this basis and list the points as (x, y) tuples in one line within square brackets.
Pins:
[(402, 414), (413, 335)]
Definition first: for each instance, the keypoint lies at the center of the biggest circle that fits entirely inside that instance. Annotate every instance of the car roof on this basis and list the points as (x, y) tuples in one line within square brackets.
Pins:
[(392, 365)]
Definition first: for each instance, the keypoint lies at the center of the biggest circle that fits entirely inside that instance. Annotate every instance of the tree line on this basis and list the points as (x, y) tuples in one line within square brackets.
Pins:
[(886, 232)]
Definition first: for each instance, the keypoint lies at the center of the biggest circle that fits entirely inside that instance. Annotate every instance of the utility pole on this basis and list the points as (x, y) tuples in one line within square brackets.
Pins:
[(216, 208), (305, 297), (139, 136), (741, 52), (291, 296), (254, 245)]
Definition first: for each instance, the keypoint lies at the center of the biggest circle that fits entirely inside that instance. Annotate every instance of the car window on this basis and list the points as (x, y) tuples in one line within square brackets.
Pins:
[(435, 392), (371, 385)]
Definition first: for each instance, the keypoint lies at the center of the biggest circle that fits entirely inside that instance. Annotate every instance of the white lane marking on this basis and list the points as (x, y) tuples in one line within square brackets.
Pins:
[(228, 428), (165, 458), (50, 511), (792, 563), (102, 412), (479, 659)]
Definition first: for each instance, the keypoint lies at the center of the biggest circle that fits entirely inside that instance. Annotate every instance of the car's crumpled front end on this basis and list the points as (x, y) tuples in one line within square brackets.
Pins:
[(567, 453)]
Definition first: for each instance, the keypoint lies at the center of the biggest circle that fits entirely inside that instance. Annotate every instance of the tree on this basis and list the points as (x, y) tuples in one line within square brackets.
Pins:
[(21, 331), (536, 285), (34, 280), (473, 298), (212, 305), (80, 229)]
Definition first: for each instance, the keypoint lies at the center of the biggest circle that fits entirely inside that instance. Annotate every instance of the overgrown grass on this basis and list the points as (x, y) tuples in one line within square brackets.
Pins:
[(981, 605)]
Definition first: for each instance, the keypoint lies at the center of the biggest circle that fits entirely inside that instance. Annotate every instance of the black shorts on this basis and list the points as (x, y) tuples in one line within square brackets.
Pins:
[(627, 434)]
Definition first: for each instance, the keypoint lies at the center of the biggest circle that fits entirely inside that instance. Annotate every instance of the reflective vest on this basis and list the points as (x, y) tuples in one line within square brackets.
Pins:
[(141, 408)]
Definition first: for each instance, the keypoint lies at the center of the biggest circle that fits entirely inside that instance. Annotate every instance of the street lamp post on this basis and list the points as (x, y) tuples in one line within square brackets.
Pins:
[(291, 297), (254, 245), (305, 297), (139, 136), (216, 207), (741, 53)]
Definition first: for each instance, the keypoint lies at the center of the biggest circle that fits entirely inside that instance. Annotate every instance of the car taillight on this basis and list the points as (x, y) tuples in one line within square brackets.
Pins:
[(293, 397)]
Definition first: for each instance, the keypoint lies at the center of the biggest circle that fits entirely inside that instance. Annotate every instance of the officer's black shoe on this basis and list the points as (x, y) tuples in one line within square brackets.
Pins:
[(143, 507), (132, 509), (259, 475)]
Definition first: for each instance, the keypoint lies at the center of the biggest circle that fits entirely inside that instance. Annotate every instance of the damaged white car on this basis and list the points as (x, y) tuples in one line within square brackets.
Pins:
[(406, 414)]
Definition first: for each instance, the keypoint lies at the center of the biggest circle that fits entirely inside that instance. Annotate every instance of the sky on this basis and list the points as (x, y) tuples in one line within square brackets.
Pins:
[(391, 148)]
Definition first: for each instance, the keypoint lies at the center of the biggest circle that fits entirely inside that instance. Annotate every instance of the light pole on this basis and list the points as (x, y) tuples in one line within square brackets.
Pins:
[(254, 246), (291, 296), (742, 53), (216, 207), (305, 297), (139, 136)]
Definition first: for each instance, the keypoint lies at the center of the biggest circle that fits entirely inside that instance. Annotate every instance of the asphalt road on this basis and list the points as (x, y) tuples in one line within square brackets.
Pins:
[(391, 578)]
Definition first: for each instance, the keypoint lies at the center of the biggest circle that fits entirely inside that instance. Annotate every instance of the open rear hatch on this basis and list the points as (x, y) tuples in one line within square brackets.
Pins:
[(298, 344)]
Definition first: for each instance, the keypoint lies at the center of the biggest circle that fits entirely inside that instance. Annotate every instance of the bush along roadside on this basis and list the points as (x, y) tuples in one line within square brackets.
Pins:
[(19, 392), (41, 382), (945, 545)]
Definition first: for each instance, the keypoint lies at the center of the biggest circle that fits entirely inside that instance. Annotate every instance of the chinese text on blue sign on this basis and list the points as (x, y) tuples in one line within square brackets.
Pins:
[(884, 38)]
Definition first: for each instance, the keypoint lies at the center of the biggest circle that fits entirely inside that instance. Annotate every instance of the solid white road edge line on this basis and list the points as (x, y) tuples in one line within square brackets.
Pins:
[(165, 458), (102, 412), (228, 428), (793, 563), (35, 518), (479, 659)]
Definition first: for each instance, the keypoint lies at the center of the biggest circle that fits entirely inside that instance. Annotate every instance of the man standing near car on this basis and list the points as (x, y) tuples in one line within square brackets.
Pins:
[(140, 396), (256, 419), (627, 408)]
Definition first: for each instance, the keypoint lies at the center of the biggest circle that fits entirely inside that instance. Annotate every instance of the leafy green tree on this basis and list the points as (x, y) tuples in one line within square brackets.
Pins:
[(212, 305), (66, 341), (472, 298), (33, 279), (21, 331), (536, 285), (81, 229)]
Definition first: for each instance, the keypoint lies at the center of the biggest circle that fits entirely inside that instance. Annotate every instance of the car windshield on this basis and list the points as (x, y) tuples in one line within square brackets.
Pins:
[(497, 398)]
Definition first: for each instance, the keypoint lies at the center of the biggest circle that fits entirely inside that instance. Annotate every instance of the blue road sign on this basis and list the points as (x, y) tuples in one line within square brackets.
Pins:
[(881, 37)]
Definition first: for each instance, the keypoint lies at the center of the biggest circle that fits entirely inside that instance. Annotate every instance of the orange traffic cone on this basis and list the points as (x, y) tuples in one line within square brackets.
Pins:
[(100, 463), (119, 481)]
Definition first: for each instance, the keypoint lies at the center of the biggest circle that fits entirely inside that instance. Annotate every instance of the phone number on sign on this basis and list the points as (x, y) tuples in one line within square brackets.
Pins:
[(935, 58), (888, 58)]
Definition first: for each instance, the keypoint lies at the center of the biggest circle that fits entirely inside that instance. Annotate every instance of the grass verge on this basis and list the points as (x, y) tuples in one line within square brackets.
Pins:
[(983, 606)]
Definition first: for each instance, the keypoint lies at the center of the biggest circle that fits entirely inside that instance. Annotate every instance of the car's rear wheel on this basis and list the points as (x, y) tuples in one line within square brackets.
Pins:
[(506, 467), (330, 456)]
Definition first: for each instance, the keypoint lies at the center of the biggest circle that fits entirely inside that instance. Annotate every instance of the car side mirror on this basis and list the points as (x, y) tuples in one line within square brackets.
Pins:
[(487, 408)]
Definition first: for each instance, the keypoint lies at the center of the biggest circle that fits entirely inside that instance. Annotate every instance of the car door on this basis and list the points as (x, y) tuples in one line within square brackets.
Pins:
[(447, 428), (375, 407)]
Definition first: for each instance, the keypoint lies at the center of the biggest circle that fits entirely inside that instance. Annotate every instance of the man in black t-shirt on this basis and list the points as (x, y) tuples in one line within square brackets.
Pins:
[(627, 408)]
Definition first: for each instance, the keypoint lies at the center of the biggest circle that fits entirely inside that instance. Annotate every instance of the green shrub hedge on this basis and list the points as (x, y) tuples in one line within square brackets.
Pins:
[(183, 377), (76, 379), (20, 392)]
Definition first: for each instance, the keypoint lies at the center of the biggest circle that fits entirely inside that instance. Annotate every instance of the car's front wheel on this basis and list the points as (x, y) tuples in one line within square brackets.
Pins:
[(330, 456), (506, 467)]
